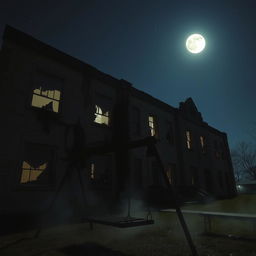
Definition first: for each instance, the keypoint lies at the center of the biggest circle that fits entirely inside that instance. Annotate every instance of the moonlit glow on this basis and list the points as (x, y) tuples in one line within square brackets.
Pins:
[(195, 43)]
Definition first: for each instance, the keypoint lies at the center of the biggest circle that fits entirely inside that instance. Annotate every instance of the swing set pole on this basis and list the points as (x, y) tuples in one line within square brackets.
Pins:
[(152, 148)]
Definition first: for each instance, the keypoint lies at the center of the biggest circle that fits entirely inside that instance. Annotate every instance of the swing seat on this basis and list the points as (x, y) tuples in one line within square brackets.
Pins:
[(120, 222)]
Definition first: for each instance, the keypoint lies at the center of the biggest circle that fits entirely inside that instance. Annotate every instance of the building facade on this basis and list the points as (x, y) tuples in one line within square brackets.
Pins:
[(54, 106)]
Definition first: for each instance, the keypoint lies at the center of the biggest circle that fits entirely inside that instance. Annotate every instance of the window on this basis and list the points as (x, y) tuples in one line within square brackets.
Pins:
[(170, 172), (36, 165), (152, 125), (188, 140), (47, 94), (170, 133), (100, 116), (92, 171), (202, 143), (100, 172), (30, 173)]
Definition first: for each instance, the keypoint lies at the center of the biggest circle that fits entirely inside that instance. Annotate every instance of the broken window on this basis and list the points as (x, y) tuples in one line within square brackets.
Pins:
[(188, 140), (47, 92), (100, 116), (36, 165), (152, 125)]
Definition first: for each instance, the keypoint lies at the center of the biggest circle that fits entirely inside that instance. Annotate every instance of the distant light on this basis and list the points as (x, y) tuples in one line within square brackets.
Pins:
[(195, 43)]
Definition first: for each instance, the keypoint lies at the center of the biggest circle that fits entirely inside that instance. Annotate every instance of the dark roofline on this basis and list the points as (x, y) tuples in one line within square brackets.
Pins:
[(147, 97), (30, 42)]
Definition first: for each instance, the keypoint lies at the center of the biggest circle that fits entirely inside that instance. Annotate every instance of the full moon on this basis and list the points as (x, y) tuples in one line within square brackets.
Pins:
[(195, 43)]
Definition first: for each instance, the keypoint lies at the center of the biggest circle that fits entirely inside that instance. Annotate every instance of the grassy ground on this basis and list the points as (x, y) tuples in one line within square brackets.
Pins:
[(240, 204), (163, 238)]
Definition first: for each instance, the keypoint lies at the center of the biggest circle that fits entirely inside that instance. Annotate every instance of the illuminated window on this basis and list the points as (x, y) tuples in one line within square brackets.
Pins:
[(46, 99), (188, 140), (152, 125), (202, 143), (92, 171), (36, 165), (31, 173), (47, 92), (100, 116), (170, 172)]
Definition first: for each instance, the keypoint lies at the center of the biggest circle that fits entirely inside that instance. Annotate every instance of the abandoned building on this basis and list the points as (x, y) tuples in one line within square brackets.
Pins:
[(53, 106)]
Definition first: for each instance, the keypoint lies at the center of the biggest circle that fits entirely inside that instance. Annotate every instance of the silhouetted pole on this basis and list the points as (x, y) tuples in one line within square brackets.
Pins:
[(153, 150)]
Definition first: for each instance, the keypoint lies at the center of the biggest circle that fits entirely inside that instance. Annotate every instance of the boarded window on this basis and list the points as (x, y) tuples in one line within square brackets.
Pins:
[(47, 92), (36, 168)]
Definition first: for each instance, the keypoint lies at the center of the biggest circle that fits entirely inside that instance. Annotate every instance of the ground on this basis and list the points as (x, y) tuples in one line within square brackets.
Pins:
[(165, 237)]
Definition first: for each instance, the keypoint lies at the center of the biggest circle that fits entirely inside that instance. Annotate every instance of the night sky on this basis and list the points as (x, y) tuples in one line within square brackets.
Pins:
[(143, 42)]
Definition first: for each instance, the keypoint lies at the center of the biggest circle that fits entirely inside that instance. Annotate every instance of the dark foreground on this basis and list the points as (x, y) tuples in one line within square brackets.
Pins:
[(163, 238)]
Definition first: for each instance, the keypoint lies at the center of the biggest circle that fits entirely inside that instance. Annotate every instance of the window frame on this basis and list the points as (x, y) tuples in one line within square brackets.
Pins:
[(96, 114), (154, 127), (33, 87), (189, 140), (52, 168)]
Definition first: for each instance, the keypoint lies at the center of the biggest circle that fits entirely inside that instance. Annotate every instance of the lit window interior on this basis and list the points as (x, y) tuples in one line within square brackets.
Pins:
[(188, 137), (46, 99), (31, 173), (169, 175), (101, 117), (151, 123), (202, 141), (92, 171)]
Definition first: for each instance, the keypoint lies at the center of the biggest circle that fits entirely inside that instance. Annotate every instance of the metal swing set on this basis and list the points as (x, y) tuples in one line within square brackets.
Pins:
[(127, 221)]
